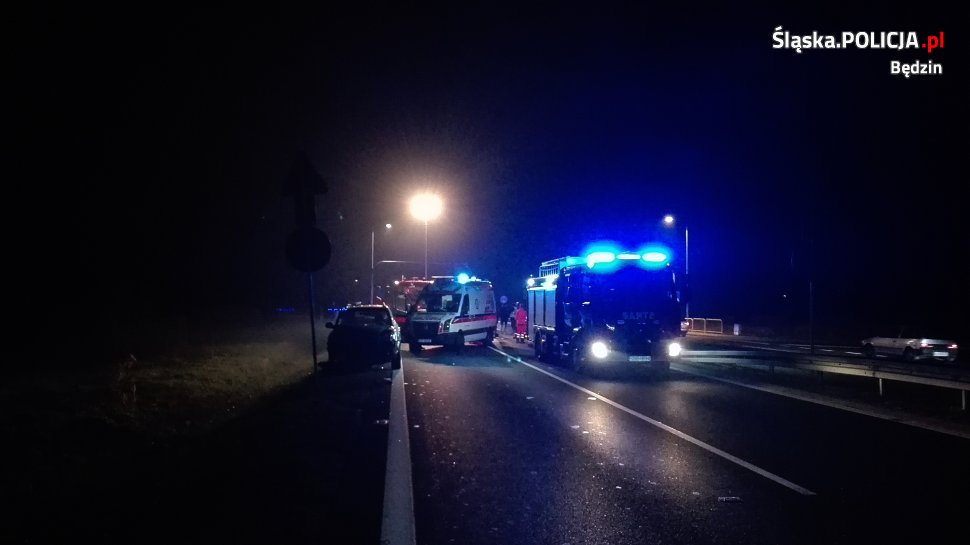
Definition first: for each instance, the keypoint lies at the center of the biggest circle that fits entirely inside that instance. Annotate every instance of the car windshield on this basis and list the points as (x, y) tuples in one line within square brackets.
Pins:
[(363, 317)]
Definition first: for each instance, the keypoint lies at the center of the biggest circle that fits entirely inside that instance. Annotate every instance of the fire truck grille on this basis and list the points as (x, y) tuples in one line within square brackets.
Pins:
[(636, 337)]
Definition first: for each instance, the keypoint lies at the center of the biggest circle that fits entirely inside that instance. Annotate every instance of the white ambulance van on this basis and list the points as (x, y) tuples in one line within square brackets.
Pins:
[(452, 310)]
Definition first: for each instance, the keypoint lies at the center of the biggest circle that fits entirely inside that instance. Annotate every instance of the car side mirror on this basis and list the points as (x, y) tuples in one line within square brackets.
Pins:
[(328, 325)]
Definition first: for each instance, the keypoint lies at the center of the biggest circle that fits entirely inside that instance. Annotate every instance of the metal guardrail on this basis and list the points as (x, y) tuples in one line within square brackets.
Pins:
[(748, 359), (706, 325)]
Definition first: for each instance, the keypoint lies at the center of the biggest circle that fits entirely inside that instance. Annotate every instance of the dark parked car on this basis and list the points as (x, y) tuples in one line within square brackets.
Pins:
[(365, 335)]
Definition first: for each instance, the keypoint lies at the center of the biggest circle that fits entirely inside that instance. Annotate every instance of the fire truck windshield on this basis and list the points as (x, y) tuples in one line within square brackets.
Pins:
[(632, 289), (405, 293)]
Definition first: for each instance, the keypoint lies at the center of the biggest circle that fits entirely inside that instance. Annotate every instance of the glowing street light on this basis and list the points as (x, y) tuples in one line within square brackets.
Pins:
[(669, 221), (426, 207), (387, 227)]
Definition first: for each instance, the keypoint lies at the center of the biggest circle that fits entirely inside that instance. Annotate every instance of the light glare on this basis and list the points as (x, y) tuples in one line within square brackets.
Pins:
[(600, 257), (426, 206)]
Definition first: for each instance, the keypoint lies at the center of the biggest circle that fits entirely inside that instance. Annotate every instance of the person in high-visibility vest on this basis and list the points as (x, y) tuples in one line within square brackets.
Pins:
[(521, 319)]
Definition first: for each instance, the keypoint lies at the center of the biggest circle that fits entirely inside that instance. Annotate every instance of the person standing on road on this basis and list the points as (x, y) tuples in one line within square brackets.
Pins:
[(504, 311), (512, 318), (521, 320)]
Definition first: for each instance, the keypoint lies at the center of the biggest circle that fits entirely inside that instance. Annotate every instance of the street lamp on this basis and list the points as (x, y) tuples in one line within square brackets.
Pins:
[(387, 227), (426, 207), (669, 222)]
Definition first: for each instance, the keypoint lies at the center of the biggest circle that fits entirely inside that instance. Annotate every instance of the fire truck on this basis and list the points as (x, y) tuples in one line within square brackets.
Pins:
[(402, 298), (609, 309)]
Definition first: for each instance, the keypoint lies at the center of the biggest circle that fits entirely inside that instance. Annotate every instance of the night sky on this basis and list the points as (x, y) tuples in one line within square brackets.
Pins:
[(152, 145)]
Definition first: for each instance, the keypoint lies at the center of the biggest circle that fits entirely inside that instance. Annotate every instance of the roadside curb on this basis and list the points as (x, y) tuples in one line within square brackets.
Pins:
[(397, 527)]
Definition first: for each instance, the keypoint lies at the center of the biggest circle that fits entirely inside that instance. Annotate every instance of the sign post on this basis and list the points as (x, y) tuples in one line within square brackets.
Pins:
[(307, 248)]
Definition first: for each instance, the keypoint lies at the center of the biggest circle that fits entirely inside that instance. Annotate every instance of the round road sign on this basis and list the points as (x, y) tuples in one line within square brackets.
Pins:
[(308, 249)]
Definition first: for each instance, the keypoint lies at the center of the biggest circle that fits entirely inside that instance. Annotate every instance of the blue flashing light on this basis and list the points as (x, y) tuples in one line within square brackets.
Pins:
[(655, 256), (599, 257), (601, 254), (463, 278), (607, 256)]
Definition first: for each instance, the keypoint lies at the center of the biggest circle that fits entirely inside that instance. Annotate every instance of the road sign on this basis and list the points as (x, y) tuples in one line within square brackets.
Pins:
[(308, 249), (303, 183)]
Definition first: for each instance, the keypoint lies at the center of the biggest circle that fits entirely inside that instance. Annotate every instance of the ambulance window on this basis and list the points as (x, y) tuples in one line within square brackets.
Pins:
[(489, 302)]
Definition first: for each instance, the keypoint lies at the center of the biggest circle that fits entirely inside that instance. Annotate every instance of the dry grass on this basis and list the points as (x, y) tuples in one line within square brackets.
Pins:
[(195, 381), (179, 394), (85, 439)]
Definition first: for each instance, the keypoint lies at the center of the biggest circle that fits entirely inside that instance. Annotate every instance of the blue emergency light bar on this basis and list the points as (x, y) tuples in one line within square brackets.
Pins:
[(599, 257), (606, 257)]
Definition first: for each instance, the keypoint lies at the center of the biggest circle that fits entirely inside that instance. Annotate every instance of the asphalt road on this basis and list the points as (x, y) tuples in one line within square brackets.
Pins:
[(497, 448), (505, 450)]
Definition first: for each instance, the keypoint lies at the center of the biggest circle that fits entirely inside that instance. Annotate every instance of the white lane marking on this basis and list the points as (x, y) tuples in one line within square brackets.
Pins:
[(710, 448), (832, 404), (855, 353), (785, 350), (397, 526)]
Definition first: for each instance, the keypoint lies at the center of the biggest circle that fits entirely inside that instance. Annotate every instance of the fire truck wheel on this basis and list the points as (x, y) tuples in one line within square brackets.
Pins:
[(537, 346), (576, 360)]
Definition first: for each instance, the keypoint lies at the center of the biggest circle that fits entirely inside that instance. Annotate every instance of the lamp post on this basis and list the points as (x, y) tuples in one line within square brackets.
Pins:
[(387, 227), (426, 207), (669, 221)]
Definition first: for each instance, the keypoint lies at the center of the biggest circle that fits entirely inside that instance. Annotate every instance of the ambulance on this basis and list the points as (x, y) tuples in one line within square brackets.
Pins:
[(451, 311)]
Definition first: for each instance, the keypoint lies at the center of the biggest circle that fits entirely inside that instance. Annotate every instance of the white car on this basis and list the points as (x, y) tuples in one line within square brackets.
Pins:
[(911, 348)]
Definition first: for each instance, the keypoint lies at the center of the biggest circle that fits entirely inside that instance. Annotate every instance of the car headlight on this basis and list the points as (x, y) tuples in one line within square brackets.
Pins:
[(599, 349), (674, 349)]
